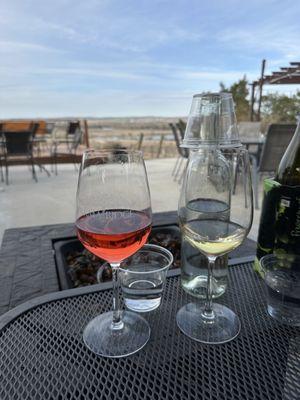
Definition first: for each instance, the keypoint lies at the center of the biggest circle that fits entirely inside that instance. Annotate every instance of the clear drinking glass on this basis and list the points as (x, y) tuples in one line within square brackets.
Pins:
[(282, 279), (212, 120), (143, 277), (215, 215), (113, 221)]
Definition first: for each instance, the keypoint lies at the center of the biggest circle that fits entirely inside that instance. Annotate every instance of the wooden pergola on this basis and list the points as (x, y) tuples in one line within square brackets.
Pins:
[(286, 76)]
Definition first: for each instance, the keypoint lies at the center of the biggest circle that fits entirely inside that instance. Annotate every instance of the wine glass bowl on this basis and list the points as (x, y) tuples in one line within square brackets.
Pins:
[(110, 235), (215, 180), (113, 221)]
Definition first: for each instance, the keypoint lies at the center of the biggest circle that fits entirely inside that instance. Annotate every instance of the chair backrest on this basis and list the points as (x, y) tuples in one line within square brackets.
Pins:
[(177, 136), (18, 143), (49, 127), (34, 128), (249, 130), (181, 130), (17, 126), (72, 127), (277, 139), (181, 126)]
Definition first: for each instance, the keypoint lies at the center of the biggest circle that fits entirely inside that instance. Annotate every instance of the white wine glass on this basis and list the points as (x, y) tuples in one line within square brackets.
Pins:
[(113, 221), (215, 214)]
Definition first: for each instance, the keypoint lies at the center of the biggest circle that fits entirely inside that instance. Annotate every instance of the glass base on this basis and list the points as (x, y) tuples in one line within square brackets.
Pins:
[(101, 339), (223, 328), (284, 314)]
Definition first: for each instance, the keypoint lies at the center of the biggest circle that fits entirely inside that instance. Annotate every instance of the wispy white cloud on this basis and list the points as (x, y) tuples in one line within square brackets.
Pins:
[(135, 71), (228, 76), (264, 39), (9, 46), (103, 72), (34, 103)]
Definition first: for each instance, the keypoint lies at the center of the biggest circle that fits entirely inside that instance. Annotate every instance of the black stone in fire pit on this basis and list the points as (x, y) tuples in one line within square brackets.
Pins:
[(78, 267)]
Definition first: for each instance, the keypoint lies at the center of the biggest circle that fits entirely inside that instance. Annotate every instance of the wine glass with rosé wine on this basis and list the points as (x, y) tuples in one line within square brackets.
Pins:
[(113, 221)]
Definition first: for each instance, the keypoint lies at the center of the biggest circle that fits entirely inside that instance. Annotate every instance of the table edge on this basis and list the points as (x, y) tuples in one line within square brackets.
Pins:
[(17, 311)]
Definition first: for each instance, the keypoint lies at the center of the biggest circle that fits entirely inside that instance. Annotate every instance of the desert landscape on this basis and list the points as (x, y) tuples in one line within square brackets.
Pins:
[(152, 135)]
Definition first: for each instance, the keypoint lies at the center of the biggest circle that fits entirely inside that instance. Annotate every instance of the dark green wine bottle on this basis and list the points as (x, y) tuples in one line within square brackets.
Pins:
[(279, 228), (287, 226)]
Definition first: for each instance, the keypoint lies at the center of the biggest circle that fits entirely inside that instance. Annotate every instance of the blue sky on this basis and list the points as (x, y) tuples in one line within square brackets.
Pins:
[(135, 57)]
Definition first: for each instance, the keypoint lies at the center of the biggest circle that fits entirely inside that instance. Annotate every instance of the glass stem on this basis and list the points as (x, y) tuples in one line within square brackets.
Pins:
[(117, 322), (208, 312)]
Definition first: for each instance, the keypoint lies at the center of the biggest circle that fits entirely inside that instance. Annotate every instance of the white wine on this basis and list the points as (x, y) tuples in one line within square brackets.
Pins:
[(213, 237), (194, 264)]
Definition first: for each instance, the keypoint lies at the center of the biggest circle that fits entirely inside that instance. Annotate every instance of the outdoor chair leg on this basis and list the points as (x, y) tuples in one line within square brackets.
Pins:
[(54, 163), (6, 174), (180, 159), (235, 178), (74, 162), (6, 169), (255, 190), (42, 168), (175, 166), (178, 168), (52, 160), (254, 174), (183, 173), (256, 201), (33, 171), (1, 167)]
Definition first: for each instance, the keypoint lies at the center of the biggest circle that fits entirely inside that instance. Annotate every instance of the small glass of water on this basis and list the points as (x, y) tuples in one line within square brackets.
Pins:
[(282, 279), (143, 276)]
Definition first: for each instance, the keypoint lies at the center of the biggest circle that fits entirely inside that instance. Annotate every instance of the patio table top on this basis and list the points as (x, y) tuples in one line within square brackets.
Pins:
[(43, 355)]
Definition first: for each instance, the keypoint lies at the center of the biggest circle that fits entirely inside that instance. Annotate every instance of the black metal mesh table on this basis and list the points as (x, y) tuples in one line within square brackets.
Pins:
[(43, 355)]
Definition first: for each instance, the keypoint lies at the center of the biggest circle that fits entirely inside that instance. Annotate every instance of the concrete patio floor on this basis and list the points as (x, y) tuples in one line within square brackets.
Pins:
[(52, 199)]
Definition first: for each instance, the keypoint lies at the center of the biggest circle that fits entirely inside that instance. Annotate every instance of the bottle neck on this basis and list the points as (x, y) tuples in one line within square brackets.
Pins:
[(289, 168)]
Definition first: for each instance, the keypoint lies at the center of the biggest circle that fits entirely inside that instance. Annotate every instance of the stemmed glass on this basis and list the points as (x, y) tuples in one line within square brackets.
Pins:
[(113, 221), (215, 214)]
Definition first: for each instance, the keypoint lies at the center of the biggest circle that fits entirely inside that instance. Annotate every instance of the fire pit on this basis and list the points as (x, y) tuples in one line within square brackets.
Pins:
[(35, 269), (77, 267)]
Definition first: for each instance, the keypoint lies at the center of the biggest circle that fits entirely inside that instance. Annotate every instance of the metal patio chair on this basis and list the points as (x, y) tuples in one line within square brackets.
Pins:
[(18, 144), (249, 130), (278, 138), (251, 136), (70, 149), (182, 152)]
